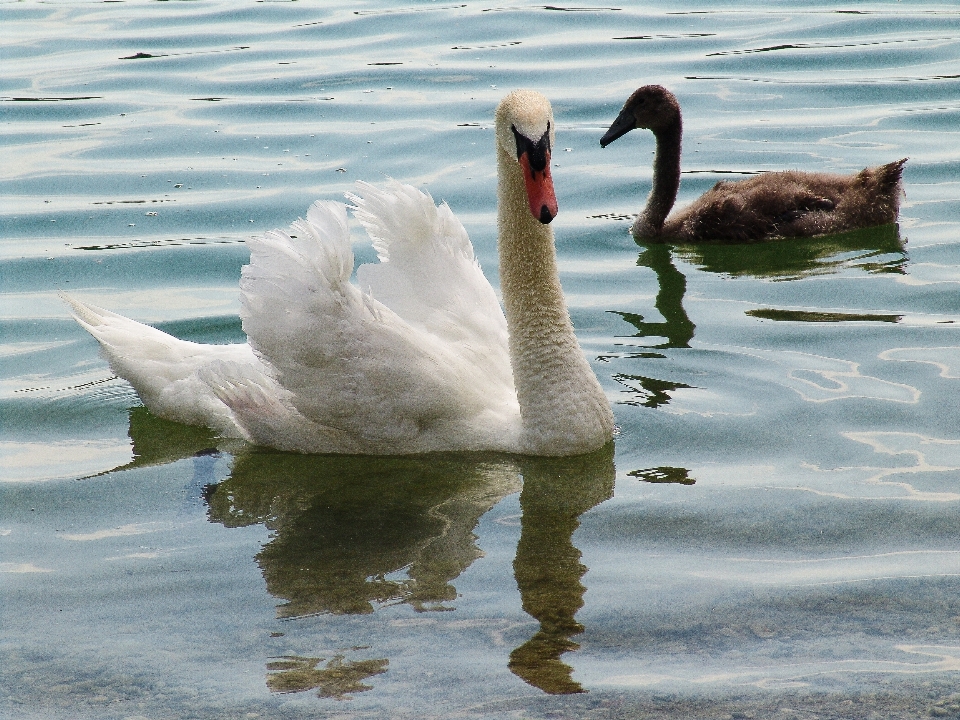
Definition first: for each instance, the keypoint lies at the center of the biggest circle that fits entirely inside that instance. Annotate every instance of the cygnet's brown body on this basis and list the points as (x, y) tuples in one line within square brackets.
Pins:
[(768, 206)]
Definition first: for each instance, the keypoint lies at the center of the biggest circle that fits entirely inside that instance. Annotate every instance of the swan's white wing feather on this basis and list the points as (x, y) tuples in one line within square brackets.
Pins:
[(164, 370), (428, 273), (350, 363)]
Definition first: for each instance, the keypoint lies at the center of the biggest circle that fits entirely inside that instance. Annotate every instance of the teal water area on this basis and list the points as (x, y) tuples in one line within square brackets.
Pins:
[(774, 532)]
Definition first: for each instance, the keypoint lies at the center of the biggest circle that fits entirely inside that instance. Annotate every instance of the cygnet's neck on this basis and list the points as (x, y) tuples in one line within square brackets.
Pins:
[(666, 181), (563, 408)]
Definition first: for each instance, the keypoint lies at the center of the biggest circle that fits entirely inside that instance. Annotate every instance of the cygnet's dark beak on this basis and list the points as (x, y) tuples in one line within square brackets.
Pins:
[(624, 123)]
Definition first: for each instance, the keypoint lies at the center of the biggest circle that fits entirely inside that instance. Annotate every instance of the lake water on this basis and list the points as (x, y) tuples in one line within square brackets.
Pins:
[(776, 532)]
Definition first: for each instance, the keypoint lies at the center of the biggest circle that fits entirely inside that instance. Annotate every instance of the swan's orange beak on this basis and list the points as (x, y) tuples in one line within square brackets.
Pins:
[(534, 158), (540, 194)]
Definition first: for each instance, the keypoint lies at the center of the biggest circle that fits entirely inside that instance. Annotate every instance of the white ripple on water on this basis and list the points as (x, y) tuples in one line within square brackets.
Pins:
[(946, 359), (816, 378), (931, 460), (810, 572), (929, 274), (44, 461), (120, 531), (926, 659)]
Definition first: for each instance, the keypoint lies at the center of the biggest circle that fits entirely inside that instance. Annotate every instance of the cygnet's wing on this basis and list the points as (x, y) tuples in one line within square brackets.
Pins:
[(164, 370), (350, 363)]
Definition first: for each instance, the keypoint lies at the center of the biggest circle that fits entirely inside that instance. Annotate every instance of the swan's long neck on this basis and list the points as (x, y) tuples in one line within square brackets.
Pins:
[(563, 408), (666, 181)]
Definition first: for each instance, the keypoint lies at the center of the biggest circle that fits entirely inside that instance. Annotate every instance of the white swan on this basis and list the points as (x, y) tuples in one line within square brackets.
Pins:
[(419, 358)]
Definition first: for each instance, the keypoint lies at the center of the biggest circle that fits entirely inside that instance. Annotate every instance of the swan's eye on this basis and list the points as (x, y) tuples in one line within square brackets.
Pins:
[(538, 153)]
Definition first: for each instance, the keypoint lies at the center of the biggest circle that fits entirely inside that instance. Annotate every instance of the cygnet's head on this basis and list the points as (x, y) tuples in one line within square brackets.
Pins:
[(525, 131), (652, 107)]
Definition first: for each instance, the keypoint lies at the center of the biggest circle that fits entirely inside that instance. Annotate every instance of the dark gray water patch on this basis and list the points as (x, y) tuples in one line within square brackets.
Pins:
[(151, 56), (665, 37), (613, 216), (664, 474), (819, 316), (827, 46), (162, 242), (486, 47), (722, 172), (50, 99), (648, 392), (404, 11), (142, 56)]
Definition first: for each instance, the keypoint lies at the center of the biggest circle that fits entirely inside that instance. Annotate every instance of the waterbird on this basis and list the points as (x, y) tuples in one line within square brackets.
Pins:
[(416, 357), (769, 206)]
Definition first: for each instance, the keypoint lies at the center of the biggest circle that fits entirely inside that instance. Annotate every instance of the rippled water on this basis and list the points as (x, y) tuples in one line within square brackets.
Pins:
[(776, 534)]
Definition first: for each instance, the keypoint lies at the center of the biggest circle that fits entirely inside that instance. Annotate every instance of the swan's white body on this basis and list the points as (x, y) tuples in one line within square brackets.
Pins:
[(417, 358)]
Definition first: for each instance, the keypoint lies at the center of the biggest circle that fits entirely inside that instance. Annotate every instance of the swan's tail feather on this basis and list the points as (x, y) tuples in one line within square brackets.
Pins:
[(125, 341), (161, 368), (88, 316)]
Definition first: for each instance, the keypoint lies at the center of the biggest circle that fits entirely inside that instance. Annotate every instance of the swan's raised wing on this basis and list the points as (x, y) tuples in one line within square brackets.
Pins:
[(350, 363), (427, 272)]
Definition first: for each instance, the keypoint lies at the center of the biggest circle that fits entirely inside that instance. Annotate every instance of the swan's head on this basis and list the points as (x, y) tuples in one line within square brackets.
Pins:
[(652, 107), (524, 123)]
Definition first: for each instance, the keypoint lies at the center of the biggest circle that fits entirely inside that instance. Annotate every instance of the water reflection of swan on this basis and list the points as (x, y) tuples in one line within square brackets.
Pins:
[(547, 566), (353, 533), (771, 205), (345, 526), (419, 359)]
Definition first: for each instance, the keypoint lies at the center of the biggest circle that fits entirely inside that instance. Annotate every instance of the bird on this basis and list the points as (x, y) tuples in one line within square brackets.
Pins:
[(417, 356), (772, 205)]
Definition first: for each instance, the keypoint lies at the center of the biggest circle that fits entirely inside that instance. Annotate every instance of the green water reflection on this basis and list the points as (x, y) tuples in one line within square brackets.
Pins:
[(335, 680), (873, 250), (352, 534), (345, 527), (547, 566)]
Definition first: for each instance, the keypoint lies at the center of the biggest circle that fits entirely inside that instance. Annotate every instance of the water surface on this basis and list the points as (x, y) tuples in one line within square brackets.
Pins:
[(775, 532)]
